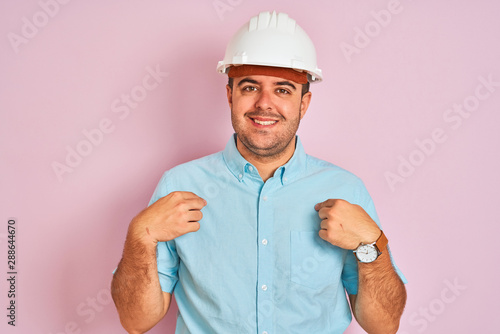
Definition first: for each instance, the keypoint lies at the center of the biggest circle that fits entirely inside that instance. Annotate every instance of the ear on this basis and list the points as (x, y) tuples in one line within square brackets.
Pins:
[(304, 103), (229, 93)]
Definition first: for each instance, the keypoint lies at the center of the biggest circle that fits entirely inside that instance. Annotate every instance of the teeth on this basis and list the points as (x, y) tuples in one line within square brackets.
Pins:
[(264, 122)]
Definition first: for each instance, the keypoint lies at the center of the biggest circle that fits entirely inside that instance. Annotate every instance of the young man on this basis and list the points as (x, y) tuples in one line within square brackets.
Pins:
[(261, 237)]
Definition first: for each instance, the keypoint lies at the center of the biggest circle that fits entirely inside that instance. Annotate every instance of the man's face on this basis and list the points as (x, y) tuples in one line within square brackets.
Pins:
[(266, 112)]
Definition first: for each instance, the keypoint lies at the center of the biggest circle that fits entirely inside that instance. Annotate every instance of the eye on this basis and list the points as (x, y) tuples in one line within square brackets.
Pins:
[(249, 89), (283, 91)]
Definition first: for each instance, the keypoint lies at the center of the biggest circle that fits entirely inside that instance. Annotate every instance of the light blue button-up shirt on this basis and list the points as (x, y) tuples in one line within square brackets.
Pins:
[(257, 264)]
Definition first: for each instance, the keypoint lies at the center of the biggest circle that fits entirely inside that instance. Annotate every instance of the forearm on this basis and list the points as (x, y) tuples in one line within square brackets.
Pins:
[(136, 288), (381, 296)]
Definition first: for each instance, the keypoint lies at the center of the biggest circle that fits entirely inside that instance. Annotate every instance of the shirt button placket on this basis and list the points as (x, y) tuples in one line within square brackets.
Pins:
[(265, 261)]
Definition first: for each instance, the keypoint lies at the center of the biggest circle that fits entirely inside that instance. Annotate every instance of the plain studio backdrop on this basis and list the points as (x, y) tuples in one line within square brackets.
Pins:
[(97, 99)]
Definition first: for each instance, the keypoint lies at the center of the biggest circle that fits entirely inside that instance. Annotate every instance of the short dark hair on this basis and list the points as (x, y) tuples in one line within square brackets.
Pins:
[(305, 87)]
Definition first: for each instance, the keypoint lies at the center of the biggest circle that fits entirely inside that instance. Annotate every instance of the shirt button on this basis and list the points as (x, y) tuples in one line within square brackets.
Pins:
[(264, 242), (250, 168), (240, 176), (264, 198), (284, 179), (264, 332), (264, 287)]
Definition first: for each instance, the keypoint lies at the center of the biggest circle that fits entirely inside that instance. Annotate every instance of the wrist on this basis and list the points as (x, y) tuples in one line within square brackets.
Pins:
[(371, 235), (369, 252), (140, 233)]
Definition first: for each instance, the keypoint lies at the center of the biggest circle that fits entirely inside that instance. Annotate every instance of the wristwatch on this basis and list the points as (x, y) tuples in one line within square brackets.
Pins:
[(367, 253)]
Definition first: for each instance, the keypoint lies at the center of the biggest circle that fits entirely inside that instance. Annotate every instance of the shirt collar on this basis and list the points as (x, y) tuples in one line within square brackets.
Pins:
[(241, 168)]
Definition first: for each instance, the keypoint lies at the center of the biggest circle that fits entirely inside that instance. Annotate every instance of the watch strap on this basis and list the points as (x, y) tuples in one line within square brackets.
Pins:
[(381, 242)]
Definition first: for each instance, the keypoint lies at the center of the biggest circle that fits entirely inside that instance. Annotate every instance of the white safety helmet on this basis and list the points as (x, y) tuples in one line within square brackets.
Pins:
[(271, 39)]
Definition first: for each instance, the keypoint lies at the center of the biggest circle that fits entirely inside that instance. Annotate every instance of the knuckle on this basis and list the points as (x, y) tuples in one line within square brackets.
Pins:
[(179, 217), (184, 215), (175, 195), (180, 228), (343, 203), (180, 205)]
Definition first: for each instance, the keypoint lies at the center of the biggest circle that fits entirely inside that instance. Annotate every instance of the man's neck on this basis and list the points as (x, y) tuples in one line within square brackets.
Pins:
[(266, 166)]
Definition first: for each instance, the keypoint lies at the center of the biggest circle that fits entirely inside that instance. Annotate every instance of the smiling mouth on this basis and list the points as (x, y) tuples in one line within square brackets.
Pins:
[(263, 122)]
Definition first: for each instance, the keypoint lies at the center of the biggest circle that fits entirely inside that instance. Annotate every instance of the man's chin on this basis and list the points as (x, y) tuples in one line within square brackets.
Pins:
[(263, 149)]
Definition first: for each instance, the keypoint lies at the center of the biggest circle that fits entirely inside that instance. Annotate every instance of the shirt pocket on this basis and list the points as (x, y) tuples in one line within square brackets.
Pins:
[(314, 262)]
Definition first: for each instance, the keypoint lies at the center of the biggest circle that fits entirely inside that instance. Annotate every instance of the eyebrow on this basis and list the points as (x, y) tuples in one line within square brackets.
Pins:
[(286, 83), (247, 80), (255, 82)]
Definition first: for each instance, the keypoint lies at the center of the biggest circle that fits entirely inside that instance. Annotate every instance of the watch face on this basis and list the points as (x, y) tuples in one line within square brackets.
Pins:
[(366, 253)]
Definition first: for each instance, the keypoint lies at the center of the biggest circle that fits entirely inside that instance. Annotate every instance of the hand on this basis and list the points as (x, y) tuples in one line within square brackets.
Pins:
[(346, 225), (169, 217)]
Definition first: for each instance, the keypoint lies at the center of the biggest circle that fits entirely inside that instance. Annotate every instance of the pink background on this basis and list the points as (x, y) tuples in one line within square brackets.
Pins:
[(372, 107)]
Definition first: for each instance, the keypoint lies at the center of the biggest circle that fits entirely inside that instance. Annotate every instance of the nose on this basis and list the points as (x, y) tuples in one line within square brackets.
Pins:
[(264, 101)]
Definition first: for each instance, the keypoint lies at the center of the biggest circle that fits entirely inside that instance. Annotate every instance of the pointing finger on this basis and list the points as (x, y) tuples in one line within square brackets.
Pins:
[(188, 201), (196, 203), (191, 195)]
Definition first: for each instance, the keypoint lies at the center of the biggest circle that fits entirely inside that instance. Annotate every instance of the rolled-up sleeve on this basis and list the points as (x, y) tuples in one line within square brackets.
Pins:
[(168, 265)]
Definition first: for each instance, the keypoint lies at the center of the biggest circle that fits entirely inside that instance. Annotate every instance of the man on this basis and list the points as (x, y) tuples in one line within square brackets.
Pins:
[(260, 238)]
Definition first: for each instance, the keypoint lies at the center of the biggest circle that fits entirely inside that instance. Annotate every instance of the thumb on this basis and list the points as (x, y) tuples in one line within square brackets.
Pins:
[(327, 203)]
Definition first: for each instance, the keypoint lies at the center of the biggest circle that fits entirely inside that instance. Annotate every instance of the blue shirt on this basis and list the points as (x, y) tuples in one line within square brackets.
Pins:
[(257, 264)]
